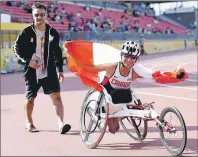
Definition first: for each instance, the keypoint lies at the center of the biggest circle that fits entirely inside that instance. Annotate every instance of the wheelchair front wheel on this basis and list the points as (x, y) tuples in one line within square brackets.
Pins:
[(93, 110), (174, 146)]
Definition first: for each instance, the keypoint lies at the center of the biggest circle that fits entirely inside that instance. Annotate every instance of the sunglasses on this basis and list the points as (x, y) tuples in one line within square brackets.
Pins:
[(41, 14), (130, 56)]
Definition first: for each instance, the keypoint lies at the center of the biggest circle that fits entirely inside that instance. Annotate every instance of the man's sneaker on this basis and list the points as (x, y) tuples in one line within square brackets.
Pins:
[(65, 129)]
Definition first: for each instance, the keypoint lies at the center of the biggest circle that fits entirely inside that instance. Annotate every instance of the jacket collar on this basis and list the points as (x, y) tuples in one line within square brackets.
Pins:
[(47, 26)]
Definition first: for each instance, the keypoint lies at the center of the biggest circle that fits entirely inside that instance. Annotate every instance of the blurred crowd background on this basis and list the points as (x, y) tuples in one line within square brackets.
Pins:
[(107, 22)]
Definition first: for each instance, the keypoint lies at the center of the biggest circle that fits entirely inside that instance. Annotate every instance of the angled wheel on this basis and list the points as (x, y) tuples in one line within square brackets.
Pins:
[(93, 118), (135, 128)]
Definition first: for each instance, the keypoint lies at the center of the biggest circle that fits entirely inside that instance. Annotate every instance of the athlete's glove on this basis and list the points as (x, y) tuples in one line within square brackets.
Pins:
[(179, 73)]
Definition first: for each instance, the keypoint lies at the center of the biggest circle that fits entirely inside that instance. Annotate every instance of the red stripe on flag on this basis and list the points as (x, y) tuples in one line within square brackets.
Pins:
[(81, 50)]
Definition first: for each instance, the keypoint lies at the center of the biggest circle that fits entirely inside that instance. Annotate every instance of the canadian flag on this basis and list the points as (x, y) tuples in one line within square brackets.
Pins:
[(91, 54)]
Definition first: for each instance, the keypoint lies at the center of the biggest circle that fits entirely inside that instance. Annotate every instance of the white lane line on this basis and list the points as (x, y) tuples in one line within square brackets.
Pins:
[(167, 96), (191, 80), (157, 84), (181, 64), (162, 63), (150, 62), (159, 65), (163, 60), (194, 73)]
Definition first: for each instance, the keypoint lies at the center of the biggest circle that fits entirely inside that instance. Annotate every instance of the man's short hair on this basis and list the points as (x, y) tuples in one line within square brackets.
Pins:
[(39, 5)]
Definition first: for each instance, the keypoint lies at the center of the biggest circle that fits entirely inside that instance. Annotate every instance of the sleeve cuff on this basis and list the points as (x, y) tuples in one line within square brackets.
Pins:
[(60, 69)]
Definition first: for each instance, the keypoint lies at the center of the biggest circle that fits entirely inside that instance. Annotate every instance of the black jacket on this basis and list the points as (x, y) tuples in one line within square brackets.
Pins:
[(25, 47)]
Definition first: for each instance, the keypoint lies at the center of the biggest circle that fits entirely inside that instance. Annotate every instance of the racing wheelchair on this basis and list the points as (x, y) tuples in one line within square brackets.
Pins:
[(95, 109)]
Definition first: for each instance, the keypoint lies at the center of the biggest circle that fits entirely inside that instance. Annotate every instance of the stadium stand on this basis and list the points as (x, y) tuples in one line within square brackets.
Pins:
[(186, 17), (91, 16)]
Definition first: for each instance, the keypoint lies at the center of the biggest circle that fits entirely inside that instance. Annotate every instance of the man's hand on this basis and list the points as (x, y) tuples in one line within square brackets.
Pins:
[(65, 49), (61, 77), (34, 65)]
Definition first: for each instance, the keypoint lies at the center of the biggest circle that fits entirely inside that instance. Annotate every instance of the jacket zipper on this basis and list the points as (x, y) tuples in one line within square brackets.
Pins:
[(47, 52), (48, 49), (35, 52)]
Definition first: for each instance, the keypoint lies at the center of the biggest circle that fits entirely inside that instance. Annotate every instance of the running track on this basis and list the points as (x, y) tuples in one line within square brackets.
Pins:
[(16, 141)]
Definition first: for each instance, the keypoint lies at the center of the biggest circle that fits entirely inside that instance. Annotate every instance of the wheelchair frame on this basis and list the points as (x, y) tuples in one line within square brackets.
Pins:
[(143, 113)]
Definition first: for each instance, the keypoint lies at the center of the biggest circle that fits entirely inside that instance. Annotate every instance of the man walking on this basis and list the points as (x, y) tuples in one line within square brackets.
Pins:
[(37, 46)]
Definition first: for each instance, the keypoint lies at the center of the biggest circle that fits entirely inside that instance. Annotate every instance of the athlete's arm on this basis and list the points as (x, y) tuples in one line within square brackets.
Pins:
[(142, 73)]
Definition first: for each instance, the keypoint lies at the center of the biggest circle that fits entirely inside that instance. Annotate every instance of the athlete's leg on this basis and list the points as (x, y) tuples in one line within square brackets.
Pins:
[(113, 123)]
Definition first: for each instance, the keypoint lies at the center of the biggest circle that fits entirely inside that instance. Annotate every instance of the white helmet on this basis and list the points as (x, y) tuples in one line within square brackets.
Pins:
[(131, 48)]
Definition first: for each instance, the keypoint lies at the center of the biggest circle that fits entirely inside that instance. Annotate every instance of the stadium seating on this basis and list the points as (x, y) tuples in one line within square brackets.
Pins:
[(183, 18), (20, 15)]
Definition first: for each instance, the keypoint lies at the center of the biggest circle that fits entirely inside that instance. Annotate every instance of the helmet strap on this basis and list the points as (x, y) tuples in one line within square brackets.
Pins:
[(136, 60), (123, 64)]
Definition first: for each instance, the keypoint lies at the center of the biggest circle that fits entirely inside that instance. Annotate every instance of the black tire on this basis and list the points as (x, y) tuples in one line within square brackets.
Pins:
[(83, 128), (179, 150), (137, 135)]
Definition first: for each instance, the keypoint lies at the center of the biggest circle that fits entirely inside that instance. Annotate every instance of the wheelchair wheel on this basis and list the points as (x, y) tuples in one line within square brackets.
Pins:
[(177, 131), (135, 128), (93, 118)]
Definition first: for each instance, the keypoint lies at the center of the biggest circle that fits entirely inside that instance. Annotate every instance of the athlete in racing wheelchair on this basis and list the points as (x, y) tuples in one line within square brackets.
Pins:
[(111, 98), (118, 78)]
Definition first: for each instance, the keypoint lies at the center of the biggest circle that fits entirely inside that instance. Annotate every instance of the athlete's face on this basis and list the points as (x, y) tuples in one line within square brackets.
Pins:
[(40, 16), (128, 60)]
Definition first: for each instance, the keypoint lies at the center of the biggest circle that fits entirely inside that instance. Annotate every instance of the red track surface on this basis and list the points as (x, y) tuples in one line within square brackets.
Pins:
[(15, 140)]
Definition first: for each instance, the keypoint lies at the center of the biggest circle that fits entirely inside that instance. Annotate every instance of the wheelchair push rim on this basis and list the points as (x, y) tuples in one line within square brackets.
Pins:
[(98, 119)]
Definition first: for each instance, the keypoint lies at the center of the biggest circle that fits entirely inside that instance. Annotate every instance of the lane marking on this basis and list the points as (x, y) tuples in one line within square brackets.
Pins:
[(162, 63), (159, 65), (150, 63), (167, 96), (191, 80), (179, 87), (165, 85), (194, 73)]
